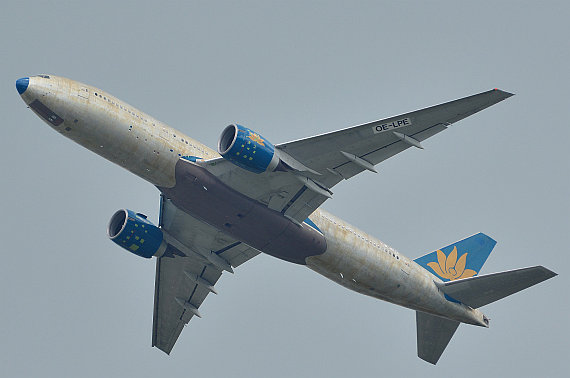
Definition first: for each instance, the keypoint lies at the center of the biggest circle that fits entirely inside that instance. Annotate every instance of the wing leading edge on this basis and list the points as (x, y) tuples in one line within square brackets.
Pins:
[(340, 155)]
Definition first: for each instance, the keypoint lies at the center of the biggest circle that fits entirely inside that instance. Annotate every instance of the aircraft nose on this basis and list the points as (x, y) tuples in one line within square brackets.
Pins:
[(22, 84)]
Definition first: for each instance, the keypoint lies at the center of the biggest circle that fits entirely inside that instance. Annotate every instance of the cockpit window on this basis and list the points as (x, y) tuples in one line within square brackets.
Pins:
[(44, 76)]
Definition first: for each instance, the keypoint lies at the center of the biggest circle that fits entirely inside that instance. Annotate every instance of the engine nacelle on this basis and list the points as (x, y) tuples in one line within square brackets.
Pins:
[(136, 234), (247, 149)]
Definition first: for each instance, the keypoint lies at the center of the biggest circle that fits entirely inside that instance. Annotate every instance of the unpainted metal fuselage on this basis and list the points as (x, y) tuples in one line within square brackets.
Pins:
[(151, 149)]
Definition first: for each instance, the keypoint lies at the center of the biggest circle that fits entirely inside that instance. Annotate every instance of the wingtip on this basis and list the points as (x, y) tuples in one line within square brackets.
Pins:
[(504, 93), (549, 273)]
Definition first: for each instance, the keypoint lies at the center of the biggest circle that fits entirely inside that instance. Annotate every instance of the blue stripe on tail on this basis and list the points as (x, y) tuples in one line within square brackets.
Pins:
[(462, 259)]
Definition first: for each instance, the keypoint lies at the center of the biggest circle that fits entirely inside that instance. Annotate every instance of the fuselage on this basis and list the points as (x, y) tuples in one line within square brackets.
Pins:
[(154, 151)]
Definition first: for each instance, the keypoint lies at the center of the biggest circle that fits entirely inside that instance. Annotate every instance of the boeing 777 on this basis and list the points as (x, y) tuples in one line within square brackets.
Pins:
[(220, 209)]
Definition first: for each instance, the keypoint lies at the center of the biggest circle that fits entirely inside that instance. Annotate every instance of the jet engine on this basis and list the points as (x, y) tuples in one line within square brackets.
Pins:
[(247, 149), (133, 232)]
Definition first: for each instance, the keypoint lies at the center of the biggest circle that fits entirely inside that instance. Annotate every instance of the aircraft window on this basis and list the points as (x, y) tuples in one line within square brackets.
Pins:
[(95, 93)]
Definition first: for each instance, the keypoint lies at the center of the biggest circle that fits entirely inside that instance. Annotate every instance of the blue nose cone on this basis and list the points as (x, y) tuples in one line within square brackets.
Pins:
[(22, 84)]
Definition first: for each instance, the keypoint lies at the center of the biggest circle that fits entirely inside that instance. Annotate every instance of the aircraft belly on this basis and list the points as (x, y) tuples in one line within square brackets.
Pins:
[(204, 196)]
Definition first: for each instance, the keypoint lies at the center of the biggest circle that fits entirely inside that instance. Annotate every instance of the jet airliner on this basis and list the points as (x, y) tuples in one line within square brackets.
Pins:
[(218, 209)]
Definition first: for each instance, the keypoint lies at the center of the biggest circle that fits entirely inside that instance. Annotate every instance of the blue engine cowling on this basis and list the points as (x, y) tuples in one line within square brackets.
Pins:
[(247, 149), (135, 233)]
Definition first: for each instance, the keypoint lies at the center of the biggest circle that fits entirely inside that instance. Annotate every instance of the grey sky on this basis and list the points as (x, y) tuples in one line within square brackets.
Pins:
[(74, 304)]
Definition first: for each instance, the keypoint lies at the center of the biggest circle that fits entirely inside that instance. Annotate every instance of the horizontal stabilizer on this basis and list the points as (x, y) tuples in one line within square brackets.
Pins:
[(434, 333), (482, 290)]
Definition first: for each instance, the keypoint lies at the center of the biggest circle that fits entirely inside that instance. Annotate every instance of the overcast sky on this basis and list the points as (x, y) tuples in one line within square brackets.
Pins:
[(75, 304)]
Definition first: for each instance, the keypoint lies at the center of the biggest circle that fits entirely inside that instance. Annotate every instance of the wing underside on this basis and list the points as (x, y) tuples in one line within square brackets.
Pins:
[(186, 273), (342, 154)]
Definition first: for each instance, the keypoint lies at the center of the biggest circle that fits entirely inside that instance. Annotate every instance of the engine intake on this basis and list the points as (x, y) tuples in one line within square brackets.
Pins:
[(247, 149), (133, 232)]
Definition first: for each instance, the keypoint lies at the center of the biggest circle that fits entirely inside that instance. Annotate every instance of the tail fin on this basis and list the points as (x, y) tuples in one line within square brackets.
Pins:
[(434, 333), (461, 285), (462, 259)]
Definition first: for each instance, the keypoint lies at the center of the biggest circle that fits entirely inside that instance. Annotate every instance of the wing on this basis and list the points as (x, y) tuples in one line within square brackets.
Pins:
[(342, 154), (188, 270)]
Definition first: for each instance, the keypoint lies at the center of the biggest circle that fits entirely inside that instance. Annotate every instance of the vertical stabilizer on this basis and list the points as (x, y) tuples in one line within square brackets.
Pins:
[(462, 259)]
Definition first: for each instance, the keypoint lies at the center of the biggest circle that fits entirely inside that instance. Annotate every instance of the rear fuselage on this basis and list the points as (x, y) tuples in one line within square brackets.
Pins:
[(166, 158)]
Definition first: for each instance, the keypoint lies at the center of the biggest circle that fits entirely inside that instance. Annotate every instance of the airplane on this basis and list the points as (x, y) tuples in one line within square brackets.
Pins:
[(219, 209)]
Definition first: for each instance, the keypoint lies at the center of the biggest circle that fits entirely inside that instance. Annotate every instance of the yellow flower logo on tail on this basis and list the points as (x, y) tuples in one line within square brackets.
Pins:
[(450, 267)]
